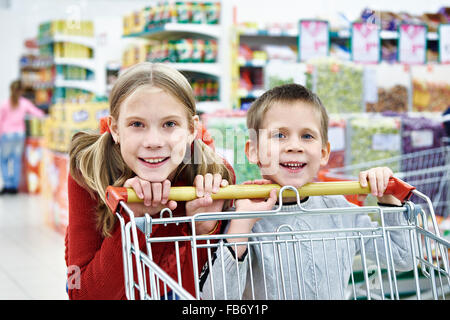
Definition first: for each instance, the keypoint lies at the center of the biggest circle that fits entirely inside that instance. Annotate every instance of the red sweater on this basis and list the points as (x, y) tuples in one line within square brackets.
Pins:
[(99, 259)]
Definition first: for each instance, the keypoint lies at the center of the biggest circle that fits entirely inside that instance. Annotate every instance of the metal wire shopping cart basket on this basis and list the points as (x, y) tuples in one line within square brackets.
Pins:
[(297, 254)]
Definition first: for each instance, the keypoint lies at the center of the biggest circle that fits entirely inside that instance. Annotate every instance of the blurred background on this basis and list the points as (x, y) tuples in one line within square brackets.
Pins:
[(380, 67)]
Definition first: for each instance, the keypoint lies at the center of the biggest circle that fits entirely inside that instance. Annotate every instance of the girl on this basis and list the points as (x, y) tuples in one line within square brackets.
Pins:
[(12, 128), (149, 145)]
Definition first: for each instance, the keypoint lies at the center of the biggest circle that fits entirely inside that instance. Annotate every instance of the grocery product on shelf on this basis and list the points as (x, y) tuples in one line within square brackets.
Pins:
[(66, 27), (68, 48), (185, 35), (432, 20), (445, 11), (394, 99), (184, 12), (32, 162), (205, 89), (229, 131), (71, 94), (372, 138), (389, 51), (421, 132), (179, 50), (390, 21), (277, 73), (212, 12), (339, 84), (274, 29), (134, 54), (431, 88), (36, 75), (43, 97), (392, 83), (430, 96), (68, 118), (68, 72)]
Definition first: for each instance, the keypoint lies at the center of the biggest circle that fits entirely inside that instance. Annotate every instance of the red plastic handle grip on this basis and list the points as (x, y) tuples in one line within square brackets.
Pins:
[(114, 195), (399, 189)]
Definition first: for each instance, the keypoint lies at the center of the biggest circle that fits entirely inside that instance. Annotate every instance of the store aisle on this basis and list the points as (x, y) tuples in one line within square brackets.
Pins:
[(32, 254)]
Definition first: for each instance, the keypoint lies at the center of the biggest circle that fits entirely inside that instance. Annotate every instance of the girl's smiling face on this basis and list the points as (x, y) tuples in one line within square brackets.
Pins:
[(153, 131), (290, 150)]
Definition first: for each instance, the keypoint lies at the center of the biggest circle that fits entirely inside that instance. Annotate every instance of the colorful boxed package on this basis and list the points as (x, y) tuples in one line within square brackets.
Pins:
[(183, 11), (77, 114), (55, 170), (212, 12), (32, 164), (198, 13)]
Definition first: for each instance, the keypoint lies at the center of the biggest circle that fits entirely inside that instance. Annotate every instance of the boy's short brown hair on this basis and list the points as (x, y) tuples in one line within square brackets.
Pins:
[(286, 93)]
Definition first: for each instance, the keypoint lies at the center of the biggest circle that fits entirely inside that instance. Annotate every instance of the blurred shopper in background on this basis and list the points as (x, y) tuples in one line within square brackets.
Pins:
[(12, 135)]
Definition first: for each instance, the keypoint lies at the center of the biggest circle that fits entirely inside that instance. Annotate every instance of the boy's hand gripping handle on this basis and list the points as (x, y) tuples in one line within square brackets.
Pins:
[(396, 187)]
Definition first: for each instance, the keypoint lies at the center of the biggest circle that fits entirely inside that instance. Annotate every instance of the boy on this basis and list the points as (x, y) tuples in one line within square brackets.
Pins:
[(288, 128)]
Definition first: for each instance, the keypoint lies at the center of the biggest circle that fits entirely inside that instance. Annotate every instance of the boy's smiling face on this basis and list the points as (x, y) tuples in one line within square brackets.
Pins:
[(290, 150)]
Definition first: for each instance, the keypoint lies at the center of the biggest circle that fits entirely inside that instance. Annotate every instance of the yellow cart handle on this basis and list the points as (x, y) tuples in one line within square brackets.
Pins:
[(400, 189)]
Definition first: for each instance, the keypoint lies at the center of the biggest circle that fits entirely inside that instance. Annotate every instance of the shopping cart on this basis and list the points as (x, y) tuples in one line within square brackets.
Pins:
[(295, 251), (428, 171)]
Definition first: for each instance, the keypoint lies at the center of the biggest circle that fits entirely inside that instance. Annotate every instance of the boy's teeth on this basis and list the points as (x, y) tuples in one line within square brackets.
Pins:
[(294, 165), (154, 160)]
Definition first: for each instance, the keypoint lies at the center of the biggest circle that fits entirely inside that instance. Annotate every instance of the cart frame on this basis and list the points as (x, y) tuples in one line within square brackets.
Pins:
[(429, 251)]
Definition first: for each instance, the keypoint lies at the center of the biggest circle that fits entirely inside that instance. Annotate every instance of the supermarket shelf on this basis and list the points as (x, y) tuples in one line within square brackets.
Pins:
[(268, 33), (41, 85), (84, 63), (252, 63), (393, 35), (86, 41), (250, 94), (205, 68), (433, 36), (176, 30), (44, 106), (340, 34), (79, 84), (31, 67), (37, 64), (209, 106)]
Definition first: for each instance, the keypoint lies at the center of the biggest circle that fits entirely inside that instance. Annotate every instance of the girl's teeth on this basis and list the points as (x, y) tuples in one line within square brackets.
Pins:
[(154, 160)]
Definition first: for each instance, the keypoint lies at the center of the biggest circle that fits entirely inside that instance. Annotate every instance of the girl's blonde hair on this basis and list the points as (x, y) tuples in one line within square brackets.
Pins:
[(96, 161)]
